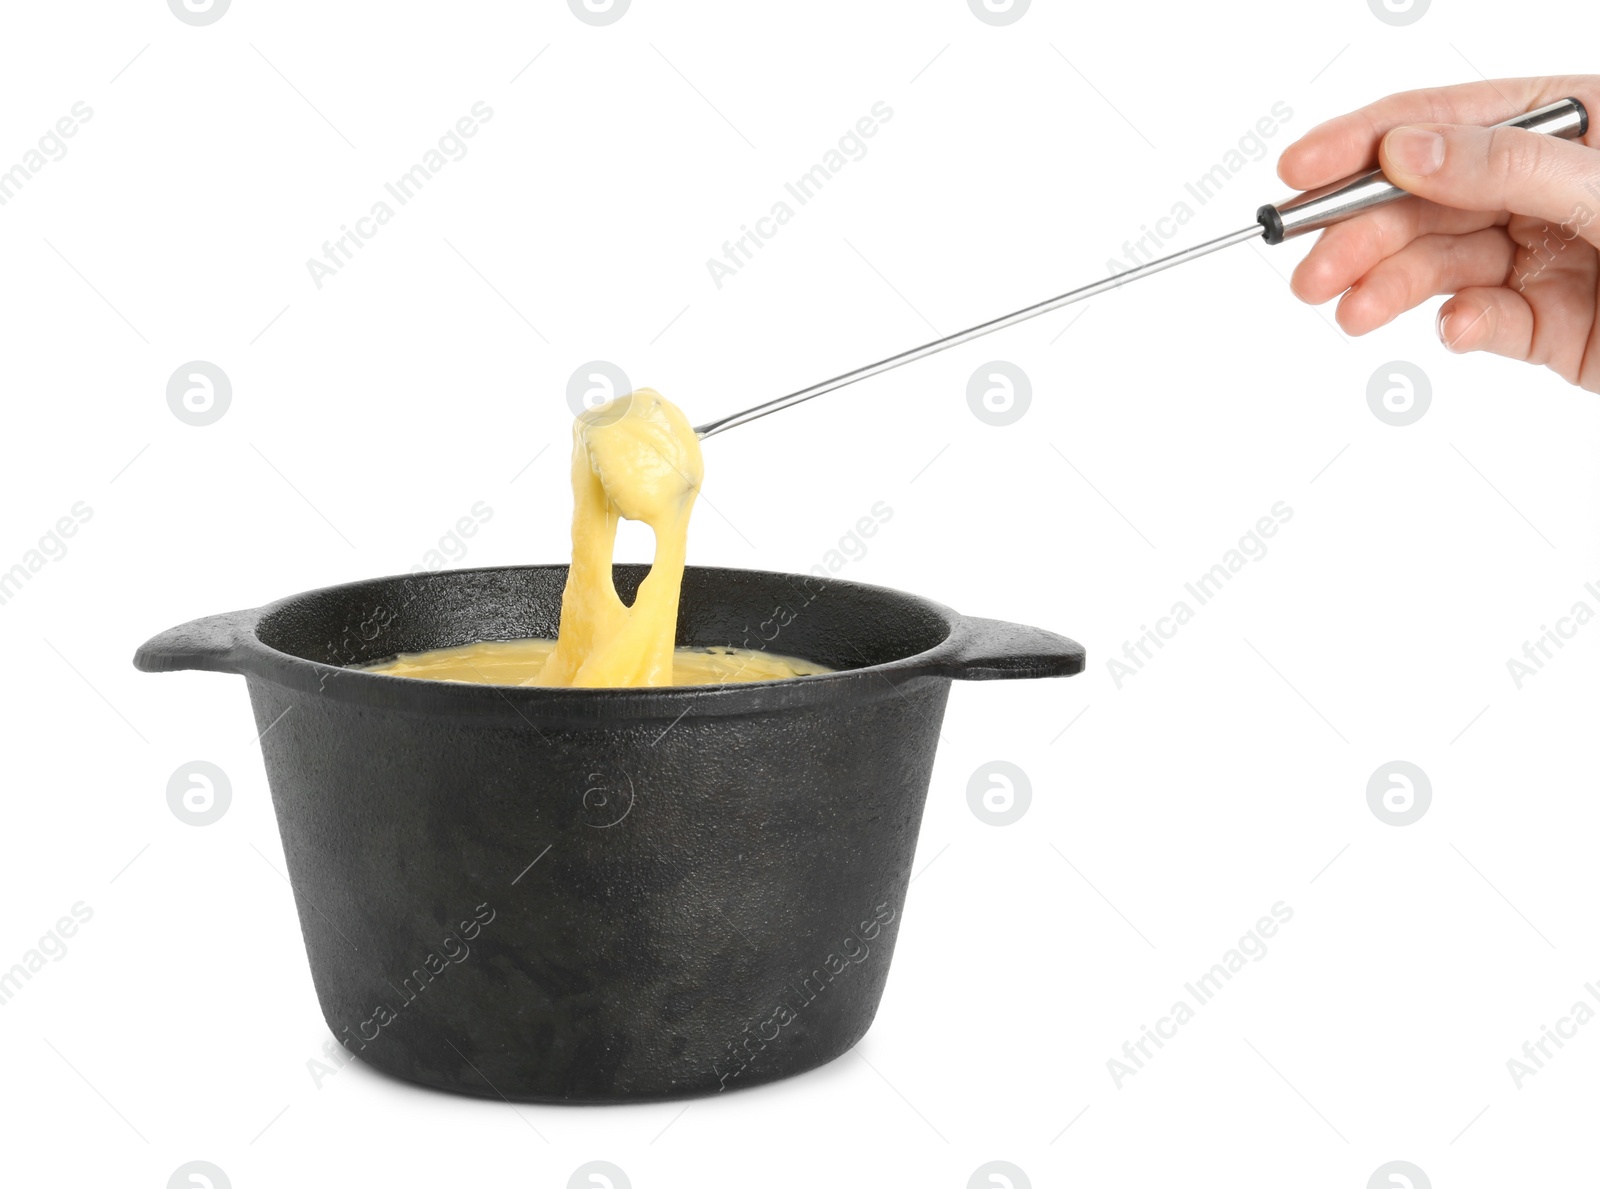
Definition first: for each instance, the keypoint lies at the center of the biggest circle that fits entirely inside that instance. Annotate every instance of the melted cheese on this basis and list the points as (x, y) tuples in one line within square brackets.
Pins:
[(519, 662), (635, 458)]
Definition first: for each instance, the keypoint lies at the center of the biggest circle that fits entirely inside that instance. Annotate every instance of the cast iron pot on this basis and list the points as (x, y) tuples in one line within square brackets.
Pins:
[(601, 895)]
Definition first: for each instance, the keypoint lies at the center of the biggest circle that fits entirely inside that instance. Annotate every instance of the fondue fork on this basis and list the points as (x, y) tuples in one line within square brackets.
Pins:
[(1310, 211)]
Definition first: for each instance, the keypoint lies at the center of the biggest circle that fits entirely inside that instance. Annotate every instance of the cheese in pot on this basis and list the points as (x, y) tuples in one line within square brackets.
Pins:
[(519, 662), (636, 457)]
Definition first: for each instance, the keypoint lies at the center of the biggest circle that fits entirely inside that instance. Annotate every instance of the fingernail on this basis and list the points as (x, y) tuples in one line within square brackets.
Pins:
[(1416, 151), (1444, 331)]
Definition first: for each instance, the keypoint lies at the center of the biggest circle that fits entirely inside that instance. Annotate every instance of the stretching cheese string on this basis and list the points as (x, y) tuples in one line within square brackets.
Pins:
[(635, 457)]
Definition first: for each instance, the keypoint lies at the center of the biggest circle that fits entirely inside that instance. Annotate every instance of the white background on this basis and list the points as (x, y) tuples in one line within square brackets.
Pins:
[(1167, 815)]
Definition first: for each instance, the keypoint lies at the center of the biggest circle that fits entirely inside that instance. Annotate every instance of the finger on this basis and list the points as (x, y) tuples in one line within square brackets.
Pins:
[(1348, 144), (1497, 169), (1422, 269), (1495, 319), (1347, 251)]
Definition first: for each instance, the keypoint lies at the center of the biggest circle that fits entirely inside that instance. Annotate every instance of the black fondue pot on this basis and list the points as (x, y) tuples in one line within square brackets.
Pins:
[(564, 895)]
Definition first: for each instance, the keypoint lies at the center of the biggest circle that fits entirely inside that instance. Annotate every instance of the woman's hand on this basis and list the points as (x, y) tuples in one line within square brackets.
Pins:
[(1511, 225)]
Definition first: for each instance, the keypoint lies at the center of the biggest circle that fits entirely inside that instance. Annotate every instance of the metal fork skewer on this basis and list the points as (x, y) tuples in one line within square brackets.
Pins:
[(1254, 231)]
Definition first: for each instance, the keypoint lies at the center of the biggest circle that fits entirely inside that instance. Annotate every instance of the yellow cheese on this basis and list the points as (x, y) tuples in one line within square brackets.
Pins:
[(637, 458), (518, 662)]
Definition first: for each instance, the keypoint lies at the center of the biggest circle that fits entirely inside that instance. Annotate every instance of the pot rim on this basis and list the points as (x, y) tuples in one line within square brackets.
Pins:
[(972, 648)]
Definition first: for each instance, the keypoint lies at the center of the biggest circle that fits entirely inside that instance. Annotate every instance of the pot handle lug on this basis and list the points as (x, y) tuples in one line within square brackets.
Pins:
[(211, 643), (995, 650)]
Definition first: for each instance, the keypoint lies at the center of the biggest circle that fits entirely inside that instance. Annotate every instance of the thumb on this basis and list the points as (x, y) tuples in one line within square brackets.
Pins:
[(1495, 169)]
